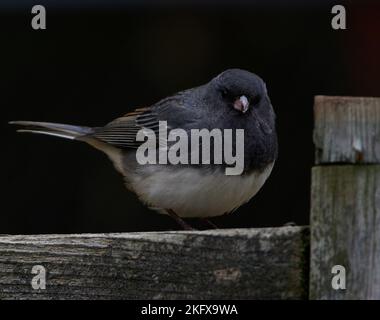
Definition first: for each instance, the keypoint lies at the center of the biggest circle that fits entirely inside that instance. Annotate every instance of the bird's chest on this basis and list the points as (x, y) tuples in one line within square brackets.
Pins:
[(191, 192)]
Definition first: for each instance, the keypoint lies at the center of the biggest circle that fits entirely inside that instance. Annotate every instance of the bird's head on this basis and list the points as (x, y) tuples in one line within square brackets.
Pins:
[(239, 90)]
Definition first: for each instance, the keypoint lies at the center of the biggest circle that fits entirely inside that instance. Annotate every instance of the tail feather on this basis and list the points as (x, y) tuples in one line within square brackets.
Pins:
[(66, 131), (53, 129)]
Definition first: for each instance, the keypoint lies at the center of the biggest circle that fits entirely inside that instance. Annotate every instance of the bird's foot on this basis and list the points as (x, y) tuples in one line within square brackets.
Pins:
[(179, 220), (209, 223)]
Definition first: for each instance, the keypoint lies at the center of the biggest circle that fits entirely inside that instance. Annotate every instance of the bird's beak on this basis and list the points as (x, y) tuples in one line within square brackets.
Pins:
[(241, 104)]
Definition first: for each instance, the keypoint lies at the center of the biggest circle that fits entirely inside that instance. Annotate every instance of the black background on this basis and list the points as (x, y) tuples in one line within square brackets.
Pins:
[(96, 62)]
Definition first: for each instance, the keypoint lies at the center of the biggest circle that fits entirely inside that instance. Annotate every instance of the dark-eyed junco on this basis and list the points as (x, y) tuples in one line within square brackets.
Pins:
[(235, 99)]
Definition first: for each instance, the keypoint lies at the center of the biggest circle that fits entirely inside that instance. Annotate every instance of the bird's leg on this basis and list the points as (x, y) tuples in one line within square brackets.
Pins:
[(180, 221), (209, 223)]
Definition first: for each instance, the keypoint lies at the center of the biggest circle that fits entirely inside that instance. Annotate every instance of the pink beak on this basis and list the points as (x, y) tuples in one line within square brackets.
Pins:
[(241, 104)]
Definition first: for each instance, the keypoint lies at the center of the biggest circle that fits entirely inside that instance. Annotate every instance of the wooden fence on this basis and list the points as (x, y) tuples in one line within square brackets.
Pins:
[(338, 257), (345, 197)]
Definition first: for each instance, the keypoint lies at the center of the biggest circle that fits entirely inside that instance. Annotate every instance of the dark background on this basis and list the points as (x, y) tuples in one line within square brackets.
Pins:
[(99, 60)]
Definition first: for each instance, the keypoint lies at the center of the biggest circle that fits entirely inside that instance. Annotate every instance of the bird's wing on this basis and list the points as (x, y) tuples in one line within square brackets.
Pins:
[(122, 131)]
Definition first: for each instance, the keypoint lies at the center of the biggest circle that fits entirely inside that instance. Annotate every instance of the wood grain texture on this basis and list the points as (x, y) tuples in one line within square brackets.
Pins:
[(268, 263), (345, 230), (347, 129)]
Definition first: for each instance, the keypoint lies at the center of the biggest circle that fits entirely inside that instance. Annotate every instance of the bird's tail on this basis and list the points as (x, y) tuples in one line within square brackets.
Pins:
[(54, 129), (67, 131)]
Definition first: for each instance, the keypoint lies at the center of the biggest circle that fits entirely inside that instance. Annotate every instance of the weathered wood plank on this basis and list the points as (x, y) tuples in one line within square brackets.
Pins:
[(268, 263), (345, 230), (347, 129)]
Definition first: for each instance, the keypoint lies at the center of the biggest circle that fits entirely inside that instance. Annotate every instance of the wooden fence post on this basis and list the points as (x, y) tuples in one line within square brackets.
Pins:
[(345, 199)]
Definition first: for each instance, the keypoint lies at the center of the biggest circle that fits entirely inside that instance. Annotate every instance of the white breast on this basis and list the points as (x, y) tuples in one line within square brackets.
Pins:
[(191, 193)]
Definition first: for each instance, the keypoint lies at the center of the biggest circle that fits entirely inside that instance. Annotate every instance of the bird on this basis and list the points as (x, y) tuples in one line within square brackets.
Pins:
[(234, 99)]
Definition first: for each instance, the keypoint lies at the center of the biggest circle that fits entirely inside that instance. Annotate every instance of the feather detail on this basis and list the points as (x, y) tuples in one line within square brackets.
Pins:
[(122, 131), (53, 129)]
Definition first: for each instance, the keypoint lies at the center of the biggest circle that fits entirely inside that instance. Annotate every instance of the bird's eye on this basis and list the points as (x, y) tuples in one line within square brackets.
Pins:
[(256, 99), (224, 93)]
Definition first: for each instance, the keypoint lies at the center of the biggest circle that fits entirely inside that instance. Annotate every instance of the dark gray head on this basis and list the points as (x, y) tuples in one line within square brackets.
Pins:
[(241, 91), (240, 99)]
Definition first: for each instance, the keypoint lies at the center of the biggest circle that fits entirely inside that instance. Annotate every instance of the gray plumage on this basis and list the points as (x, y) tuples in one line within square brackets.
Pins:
[(191, 190)]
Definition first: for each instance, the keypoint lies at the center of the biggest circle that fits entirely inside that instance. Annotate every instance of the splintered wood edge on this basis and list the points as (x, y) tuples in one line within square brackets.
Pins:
[(346, 129)]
